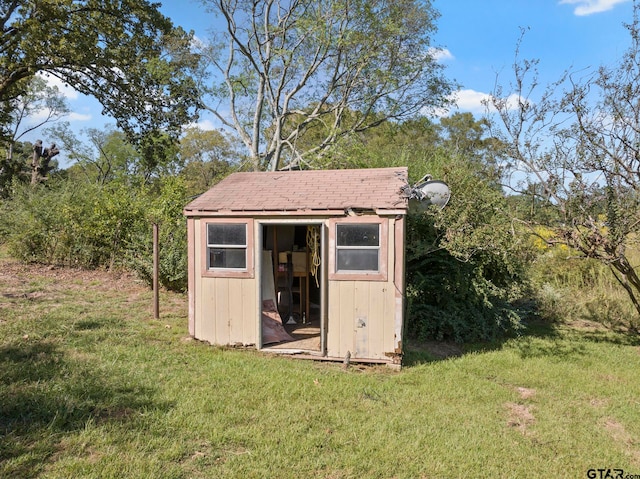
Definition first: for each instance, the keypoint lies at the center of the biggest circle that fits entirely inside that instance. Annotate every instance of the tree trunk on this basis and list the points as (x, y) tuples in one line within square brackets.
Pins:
[(35, 163), (629, 280)]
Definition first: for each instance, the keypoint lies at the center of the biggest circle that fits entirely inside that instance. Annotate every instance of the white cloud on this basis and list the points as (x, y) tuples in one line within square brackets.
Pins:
[(74, 116), (477, 102), (43, 115), (587, 7), (205, 125), (440, 54), (197, 43), (471, 100), (65, 90)]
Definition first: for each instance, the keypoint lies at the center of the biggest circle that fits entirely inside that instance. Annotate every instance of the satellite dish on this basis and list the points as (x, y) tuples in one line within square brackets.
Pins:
[(428, 193)]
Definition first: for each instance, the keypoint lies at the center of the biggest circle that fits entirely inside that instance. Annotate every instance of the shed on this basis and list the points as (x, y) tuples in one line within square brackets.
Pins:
[(301, 262)]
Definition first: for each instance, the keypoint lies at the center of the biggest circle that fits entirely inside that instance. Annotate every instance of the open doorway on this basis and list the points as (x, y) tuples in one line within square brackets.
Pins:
[(292, 288)]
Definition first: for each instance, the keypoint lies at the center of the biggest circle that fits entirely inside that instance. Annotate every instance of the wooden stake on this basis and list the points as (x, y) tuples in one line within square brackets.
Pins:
[(156, 261)]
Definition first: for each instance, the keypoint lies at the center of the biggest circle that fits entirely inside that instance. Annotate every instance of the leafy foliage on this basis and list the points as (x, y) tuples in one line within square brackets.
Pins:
[(124, 53), (569, 288), (577, 153), (90, 225), (165, 210), (82, 224), (333, 67), (14, 168), (465, 266), (205, 158)]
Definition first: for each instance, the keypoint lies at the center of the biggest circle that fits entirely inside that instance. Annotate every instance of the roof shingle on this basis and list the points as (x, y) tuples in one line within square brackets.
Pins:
[(315, 190)]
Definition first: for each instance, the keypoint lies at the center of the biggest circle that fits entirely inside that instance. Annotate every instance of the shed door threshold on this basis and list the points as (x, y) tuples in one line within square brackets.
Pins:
[(294, 352)]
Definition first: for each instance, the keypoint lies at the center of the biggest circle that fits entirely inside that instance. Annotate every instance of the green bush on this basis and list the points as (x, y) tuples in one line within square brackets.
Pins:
[(451, 300), (90, 226), (165, 209), (466, 263), (569, 288), (72, 224)]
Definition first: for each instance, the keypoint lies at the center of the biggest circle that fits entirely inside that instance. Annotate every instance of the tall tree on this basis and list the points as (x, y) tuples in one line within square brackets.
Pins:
[(106, 156), (41, 161), (580, 152), (122, 52), (109, 155), (289, 65), (38, 105), (206, 157)]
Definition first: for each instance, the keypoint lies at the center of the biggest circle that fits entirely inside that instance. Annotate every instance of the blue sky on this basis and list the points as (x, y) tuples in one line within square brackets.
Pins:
[(478, 38), (481, 37)]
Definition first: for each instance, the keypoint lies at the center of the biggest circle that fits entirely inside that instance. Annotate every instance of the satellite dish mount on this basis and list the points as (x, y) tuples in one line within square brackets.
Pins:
[(429, 192)]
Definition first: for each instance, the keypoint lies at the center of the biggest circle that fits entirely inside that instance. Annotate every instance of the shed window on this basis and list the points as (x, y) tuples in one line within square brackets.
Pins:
[(358, 247), (227, 246)]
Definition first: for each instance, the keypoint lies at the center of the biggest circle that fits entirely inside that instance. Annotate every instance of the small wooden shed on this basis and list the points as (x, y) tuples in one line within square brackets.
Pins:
[(301, 262)]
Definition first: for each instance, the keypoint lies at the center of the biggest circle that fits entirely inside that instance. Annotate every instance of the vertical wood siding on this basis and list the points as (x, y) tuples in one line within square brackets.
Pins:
[(362, 314), (225, 308), (191, 274), (226, 312), (363, 317)]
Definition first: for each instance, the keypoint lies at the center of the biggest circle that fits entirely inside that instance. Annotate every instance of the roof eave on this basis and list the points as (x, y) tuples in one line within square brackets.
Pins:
[(292, 212)]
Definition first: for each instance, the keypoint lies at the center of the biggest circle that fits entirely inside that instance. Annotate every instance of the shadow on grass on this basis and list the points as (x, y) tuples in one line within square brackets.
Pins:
[(552, 339), (44, 393)]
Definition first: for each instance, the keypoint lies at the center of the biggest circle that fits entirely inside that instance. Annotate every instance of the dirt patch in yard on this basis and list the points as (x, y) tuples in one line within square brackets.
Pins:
[(16, 274), (519, 416), (526, 393), (619, 433), (42, 283), (54, 285)]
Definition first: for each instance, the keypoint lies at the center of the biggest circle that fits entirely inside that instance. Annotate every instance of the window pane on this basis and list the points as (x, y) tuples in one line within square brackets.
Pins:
[(228, 258), (357, 260), (358, 235), (232, 234)]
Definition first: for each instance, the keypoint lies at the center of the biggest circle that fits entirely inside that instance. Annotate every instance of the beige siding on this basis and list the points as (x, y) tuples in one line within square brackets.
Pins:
[(191, 274), (225, 308), (363, 317), (361, 314)]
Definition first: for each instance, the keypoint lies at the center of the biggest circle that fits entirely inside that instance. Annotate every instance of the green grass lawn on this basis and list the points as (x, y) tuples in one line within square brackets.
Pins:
[(91, 386)]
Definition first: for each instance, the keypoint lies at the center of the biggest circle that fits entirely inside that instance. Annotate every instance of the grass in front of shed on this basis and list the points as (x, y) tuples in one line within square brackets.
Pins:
[(91, 386)]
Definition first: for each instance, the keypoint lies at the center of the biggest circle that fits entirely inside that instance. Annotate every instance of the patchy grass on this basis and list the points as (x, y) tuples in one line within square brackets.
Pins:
[(92, 387)]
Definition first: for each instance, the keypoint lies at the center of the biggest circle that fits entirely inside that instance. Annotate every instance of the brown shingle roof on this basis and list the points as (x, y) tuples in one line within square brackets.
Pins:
[(315, 190)]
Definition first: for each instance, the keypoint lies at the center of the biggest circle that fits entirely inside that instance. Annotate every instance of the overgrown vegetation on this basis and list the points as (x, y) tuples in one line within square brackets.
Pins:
[(473, 274), (90, 226), (575, 146), (535, 291), (569, 288), (465, 266)]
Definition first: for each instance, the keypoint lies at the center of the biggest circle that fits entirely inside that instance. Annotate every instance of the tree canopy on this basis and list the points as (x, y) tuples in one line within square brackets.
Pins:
[(578, 152), (122, 52), (291, 66)]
